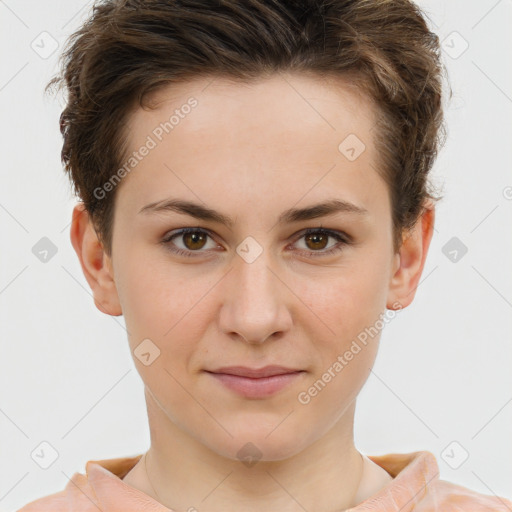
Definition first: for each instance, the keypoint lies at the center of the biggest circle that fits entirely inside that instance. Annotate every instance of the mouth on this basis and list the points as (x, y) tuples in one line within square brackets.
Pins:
[(253, 382)]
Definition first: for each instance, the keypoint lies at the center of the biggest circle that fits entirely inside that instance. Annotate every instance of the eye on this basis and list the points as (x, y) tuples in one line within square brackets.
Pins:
[(193, 240), (315, 239)]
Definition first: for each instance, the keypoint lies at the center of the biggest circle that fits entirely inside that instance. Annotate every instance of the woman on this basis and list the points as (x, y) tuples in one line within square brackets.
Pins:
[(255, 202)]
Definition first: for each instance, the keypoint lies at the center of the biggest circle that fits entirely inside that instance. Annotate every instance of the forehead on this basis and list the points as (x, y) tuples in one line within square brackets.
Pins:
[(298, 105), (278, 136)]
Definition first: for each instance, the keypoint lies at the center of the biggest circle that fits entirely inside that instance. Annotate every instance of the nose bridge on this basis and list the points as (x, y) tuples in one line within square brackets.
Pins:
[(255, 303)]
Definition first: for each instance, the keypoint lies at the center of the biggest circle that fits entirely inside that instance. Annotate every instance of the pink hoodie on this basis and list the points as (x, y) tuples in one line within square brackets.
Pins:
[(415, 487)]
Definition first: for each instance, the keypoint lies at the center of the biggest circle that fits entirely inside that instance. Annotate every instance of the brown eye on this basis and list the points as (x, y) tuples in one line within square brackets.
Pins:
[(189, 242), (194, 240), (316, 241)]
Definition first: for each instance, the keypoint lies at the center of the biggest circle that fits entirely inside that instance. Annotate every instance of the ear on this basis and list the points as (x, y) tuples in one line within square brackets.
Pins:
[(410, 260), (96, 264)]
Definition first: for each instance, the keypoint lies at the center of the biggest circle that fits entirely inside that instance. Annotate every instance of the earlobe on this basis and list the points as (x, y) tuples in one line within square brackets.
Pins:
[(96, 264), (410, 260)]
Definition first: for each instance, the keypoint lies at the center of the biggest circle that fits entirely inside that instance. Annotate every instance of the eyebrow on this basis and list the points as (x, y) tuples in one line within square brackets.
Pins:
[(329, 207)]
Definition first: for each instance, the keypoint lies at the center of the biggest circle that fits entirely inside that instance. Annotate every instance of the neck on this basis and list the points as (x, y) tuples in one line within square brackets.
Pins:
[(183, 473)]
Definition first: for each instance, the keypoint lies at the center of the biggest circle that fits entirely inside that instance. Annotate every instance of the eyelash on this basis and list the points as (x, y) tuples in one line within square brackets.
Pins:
[(342, 238)]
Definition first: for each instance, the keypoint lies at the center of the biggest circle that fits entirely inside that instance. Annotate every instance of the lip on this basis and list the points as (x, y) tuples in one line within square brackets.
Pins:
[(255, 373), (255, 383)]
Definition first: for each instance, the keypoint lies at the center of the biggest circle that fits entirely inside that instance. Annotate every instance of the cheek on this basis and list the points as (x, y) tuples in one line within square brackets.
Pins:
[(162, 304), (348, 298), (352, 308), (348, 320), (147, 289)]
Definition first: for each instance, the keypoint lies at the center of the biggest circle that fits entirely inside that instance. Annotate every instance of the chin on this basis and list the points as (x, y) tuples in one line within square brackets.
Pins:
[(252, 443)]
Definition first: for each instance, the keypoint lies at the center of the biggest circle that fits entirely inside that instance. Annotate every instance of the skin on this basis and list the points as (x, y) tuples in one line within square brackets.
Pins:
[(252, 151)]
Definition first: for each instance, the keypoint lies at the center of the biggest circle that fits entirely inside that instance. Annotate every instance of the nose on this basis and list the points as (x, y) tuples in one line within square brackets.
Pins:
[(256, 301)]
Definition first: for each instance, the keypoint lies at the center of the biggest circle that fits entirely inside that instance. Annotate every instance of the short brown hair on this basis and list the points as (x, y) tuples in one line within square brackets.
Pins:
[(129, 48)]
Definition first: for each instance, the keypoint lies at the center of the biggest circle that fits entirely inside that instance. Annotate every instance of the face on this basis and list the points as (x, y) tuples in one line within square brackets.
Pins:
[(261, 278)]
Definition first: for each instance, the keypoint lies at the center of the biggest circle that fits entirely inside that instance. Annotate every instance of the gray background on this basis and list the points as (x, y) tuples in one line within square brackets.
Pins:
[(442, 379)]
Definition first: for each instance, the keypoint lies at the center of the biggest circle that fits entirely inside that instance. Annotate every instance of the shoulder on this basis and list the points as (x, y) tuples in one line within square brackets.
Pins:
[(77, 495), (57, 502), (449, 497), (88, 492), (416, 487)]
